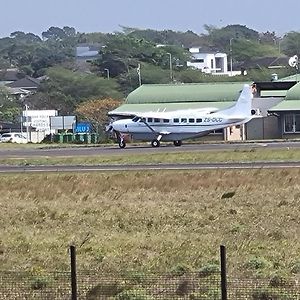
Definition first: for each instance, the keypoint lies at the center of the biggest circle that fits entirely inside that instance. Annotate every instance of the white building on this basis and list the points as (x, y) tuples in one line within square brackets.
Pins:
[(209, 63)]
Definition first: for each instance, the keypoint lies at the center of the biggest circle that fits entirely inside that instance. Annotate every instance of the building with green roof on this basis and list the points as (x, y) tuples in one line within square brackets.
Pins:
[(288, 112), (270, 99), (170, 97)]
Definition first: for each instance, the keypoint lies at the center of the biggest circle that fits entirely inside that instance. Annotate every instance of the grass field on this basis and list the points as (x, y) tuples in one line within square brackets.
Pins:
[(121, 157), (148, 221)]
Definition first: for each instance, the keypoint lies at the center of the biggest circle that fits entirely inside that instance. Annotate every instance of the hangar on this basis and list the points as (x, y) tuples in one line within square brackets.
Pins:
[(276, 104)]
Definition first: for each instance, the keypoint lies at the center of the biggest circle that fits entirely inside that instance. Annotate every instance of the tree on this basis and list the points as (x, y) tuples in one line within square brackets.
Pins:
[(21, 36), (123, 53), (244, 50), (291, 44), (10, 109), (64, 90), (95, 111), (54, 33)]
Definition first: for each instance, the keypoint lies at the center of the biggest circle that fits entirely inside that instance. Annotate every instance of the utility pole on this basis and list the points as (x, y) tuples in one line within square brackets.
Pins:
[(138, 70), (230, 50), (26, 119), (170, 64)]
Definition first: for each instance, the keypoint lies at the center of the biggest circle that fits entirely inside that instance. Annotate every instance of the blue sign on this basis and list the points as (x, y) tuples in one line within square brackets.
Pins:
[(83, 127)]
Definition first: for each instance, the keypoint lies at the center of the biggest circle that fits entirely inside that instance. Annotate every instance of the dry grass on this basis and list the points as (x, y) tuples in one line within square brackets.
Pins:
[(167, 157), (152, 221)]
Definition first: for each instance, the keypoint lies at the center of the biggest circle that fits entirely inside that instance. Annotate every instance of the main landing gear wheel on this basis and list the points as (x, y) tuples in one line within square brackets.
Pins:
[(177, 143), (155, 143), (122, 144)]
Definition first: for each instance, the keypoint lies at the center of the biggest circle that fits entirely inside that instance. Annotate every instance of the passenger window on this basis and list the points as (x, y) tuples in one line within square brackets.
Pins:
[(166, 121), (142, 120), (198, 120), (176, 120), (191, 120), (150, 120), (156, 120), (183, 120)]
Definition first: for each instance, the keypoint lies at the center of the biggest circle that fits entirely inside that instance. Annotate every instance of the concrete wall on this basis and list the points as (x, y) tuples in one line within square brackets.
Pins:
[(263, 128)]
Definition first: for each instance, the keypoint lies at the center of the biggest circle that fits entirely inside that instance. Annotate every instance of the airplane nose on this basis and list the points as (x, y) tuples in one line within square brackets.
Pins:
[(120, 126)]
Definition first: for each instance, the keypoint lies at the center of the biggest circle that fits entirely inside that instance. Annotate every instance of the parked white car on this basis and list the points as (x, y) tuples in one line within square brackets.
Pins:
[(13, 137)]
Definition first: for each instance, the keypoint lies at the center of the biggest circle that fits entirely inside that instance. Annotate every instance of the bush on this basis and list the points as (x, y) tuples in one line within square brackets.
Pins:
[(180, 269), (209, 270), (266, 294), (134, 295), (104, 289), (256, 263), (295, 269), (39, 283), (278, 281)]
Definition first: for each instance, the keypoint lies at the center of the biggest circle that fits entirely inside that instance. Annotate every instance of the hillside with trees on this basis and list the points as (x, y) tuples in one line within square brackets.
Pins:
[(130, 56)]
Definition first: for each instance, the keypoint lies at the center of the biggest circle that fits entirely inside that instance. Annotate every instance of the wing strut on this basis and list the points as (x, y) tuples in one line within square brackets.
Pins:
[(148, 126)]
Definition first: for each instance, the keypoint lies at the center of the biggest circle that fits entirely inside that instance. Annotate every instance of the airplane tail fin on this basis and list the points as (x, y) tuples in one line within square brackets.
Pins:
[(243, 104)]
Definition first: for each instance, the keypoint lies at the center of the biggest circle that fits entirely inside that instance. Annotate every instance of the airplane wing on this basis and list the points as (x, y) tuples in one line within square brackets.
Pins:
[(175, 113)]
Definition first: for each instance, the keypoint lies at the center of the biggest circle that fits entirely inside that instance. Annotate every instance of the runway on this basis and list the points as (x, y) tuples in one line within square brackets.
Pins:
[(134, 149), (149, 167)]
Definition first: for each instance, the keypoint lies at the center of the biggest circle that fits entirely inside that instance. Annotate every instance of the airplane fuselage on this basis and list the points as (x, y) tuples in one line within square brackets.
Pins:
[(175, 128)]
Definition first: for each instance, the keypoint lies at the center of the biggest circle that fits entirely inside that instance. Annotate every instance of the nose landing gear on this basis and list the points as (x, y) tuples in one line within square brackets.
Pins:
[(120, 139)]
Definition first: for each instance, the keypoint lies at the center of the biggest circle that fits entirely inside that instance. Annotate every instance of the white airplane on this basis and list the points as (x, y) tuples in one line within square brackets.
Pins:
[(183, 124)]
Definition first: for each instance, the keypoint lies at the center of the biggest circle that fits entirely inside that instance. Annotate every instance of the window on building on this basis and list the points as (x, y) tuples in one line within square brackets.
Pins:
[(288, 123), (297, 123), (291, 123), (198, 60)]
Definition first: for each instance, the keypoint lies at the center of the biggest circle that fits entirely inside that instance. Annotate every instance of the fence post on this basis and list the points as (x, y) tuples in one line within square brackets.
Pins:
[(73, 273), (223, 273)]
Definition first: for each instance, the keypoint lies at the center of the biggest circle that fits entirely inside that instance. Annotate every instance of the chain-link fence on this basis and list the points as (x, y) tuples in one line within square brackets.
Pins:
[(24, 285), (139, 286)]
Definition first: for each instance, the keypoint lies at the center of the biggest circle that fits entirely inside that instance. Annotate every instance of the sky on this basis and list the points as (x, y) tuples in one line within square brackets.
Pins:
[(106, 16)]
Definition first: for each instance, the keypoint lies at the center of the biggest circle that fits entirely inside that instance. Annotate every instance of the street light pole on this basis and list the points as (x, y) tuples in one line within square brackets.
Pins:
[(107, 73), (170, 63)]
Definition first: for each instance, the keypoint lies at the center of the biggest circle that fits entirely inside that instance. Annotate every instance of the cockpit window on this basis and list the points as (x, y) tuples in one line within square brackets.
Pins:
[(135, 119)]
